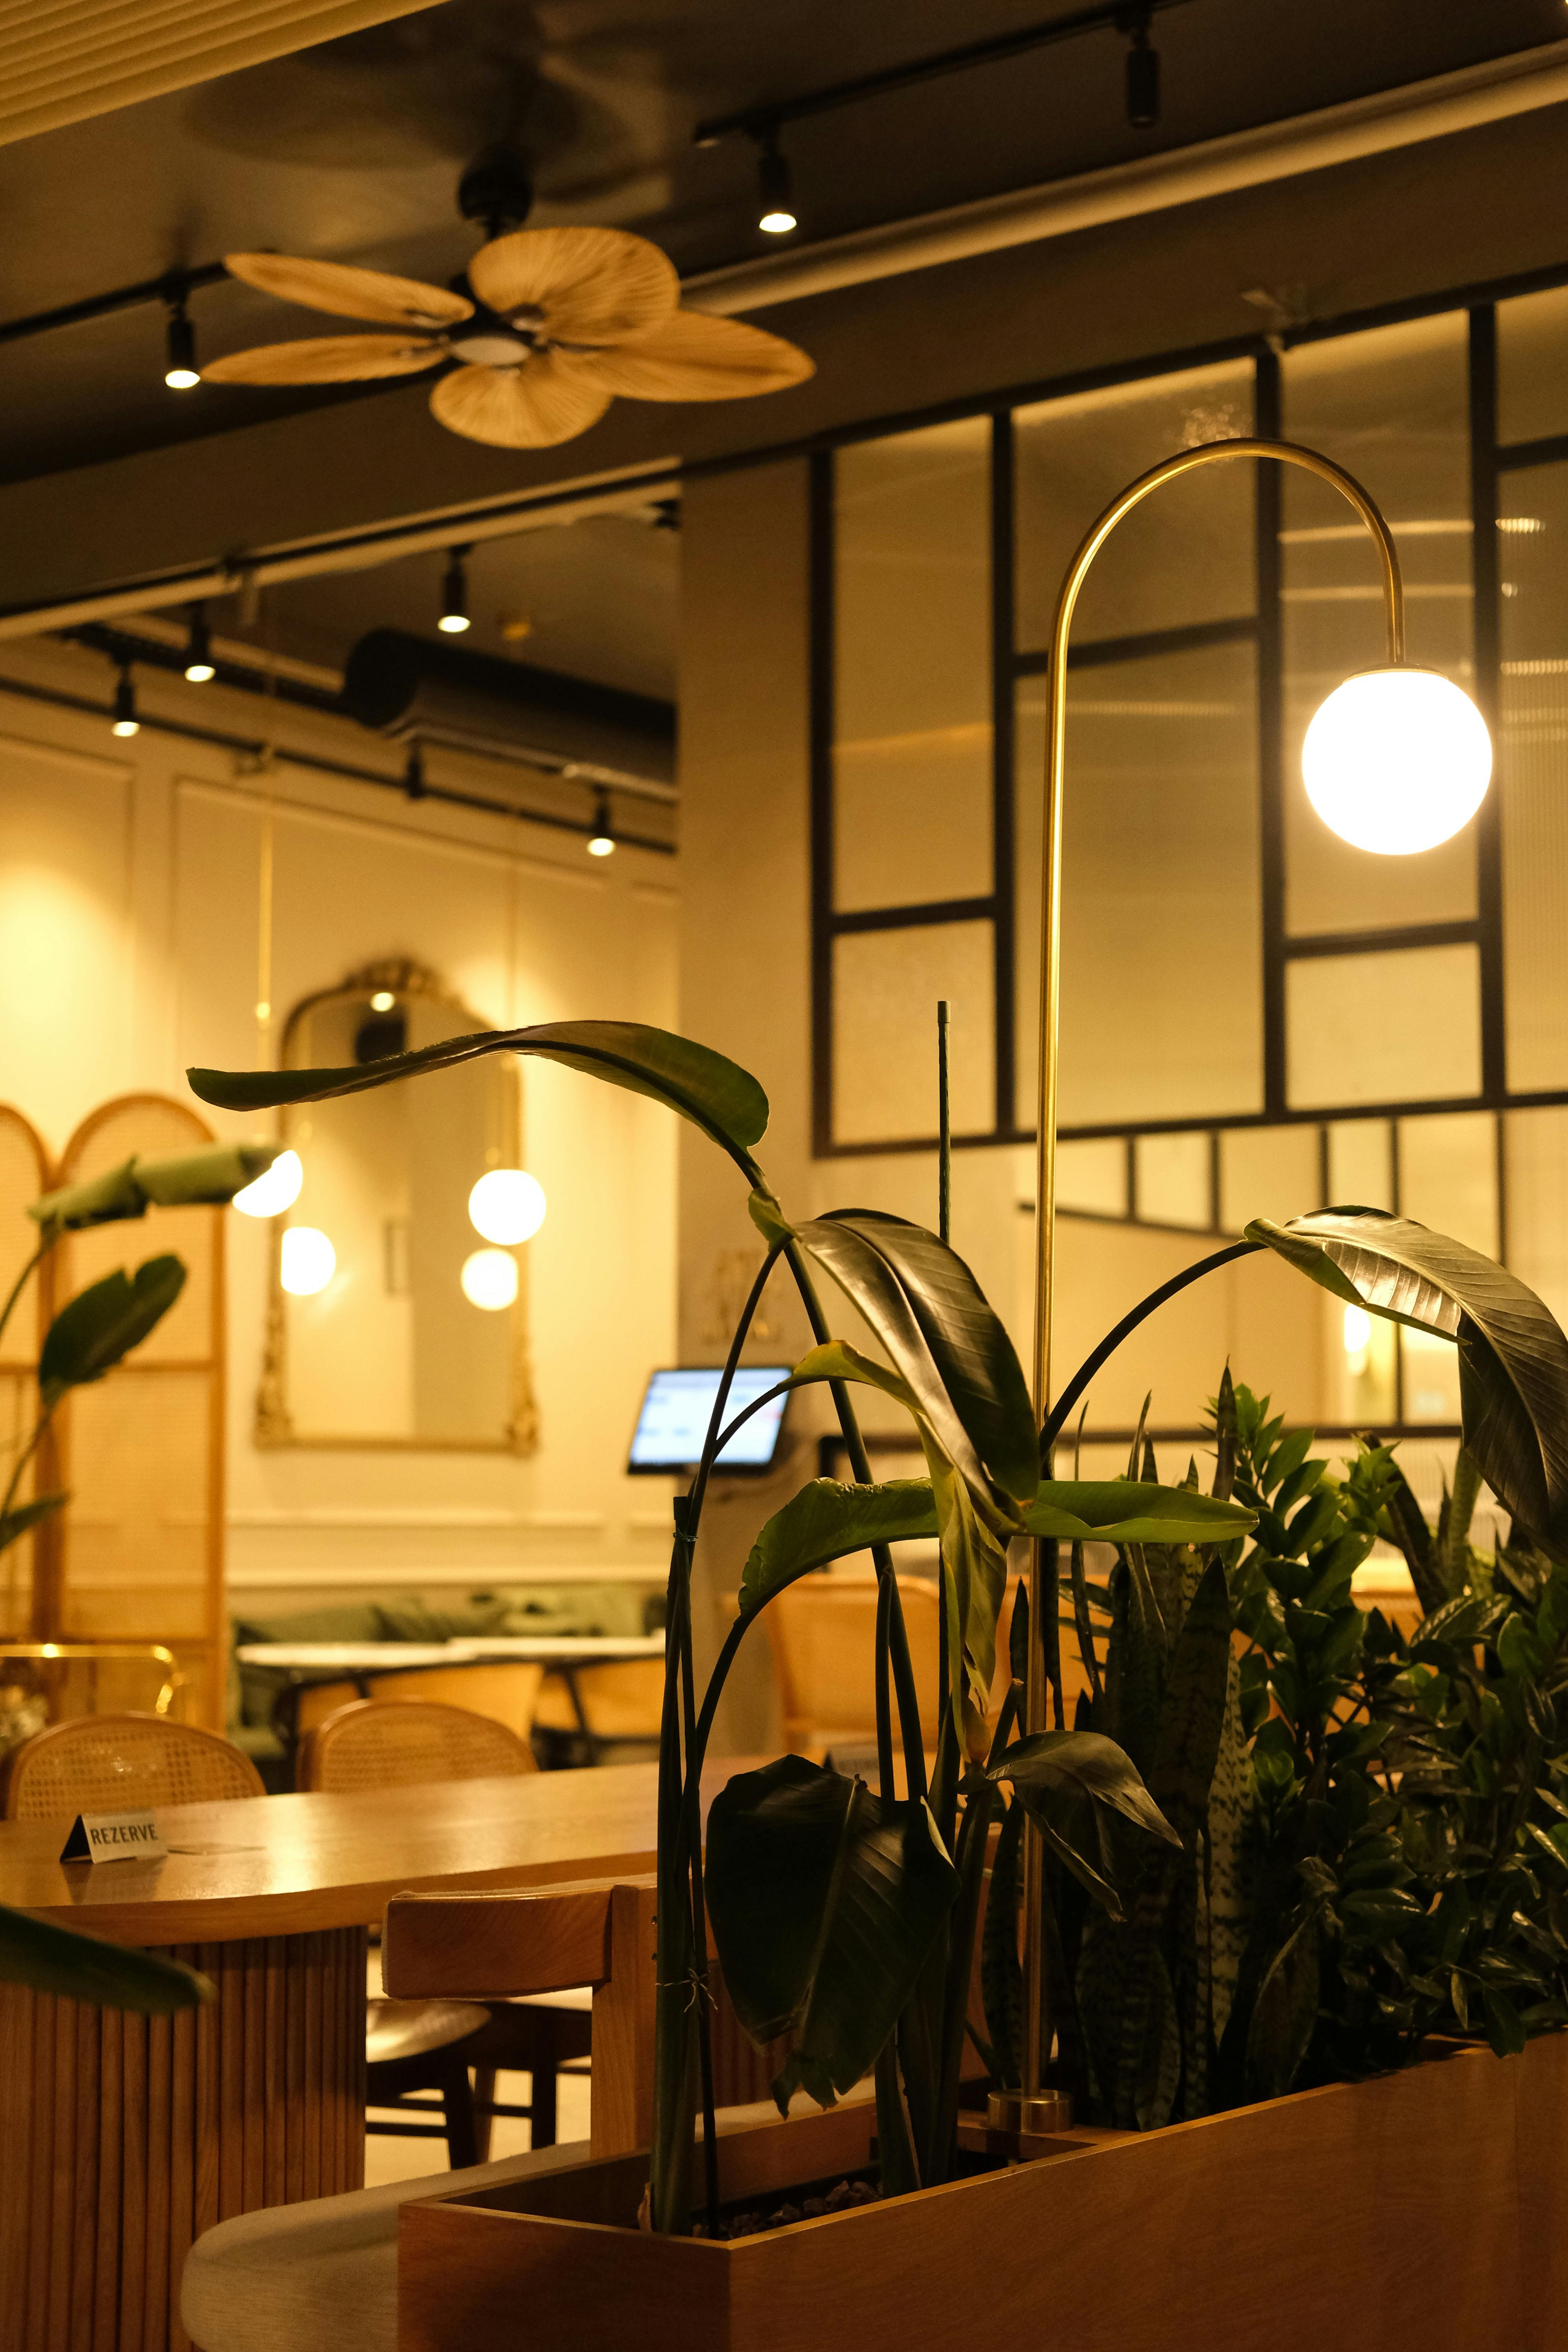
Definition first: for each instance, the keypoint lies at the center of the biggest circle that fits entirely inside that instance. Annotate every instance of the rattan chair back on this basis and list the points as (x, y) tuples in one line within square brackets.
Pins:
[(395, 1743), (115, 1763)]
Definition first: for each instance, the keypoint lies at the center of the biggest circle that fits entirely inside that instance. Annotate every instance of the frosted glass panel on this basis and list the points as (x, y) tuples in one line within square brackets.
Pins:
[(885, 987), (1404, 1027), (1533, 773), (1449, 1176), (1431, 1372), (1268, 1171), (912, 667), (1175, 1182), (1393, 406), (1092, 1175), (1187, 554), (1162, 986), (1360, 1164), (1533, 365), (1536, 1149)]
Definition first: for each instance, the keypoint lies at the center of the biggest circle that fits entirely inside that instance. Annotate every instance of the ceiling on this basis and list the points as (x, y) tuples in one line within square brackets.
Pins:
[(351, 150)]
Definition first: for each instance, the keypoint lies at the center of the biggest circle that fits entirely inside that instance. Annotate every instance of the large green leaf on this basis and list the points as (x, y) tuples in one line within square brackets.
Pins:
[(943, 1339), (825, 1902), (1128, 1511), (210, 1178), (104, 1322), (1513, 1356), (1054, 1772), (715, 1094), (1192, 1715), (82, 1968), (825, 1521)]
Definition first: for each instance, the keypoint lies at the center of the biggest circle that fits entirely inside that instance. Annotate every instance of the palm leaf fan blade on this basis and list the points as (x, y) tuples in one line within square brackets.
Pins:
[(593, 286), (349, 292), (325, 359), (531, 407), (695, 357)]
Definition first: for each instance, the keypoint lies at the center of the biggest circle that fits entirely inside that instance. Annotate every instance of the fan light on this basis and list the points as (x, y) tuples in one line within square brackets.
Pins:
[(1397, 760), (199, 671), (602, 841), (454, 617), (275, 1190), (180, 372), (775, 208), (489, 1279), (125, 721), (309, 1261), (507, 1206)]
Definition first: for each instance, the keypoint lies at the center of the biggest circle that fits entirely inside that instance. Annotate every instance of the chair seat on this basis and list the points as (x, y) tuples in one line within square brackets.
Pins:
[(396, 2029)]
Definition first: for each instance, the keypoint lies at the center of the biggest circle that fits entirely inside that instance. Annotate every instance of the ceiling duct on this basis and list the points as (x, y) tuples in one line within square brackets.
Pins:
[(414, 690)]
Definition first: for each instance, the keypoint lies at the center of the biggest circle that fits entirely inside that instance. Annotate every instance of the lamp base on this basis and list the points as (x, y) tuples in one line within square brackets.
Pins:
[(1019, 2125)]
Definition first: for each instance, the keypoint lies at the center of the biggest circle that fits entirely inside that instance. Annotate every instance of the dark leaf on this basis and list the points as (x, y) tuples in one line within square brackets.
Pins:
[(1001, 1975), (714, 1094), (16, 1524), (104, 1322), (1505, 2027), (1284, 2014), (1118, 1510), (1192, 1715), (1513, 1357), (825, 1904), (825, 1521), (209, 1178), (1070, 1766), (105, 1975)]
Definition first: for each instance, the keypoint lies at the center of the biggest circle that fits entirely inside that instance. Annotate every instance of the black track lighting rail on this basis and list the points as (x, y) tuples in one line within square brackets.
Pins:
[(172, 289), (761, 121)]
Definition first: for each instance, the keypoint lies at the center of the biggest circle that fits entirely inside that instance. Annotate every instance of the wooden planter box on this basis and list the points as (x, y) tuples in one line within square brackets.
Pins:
[(1426, 2212)]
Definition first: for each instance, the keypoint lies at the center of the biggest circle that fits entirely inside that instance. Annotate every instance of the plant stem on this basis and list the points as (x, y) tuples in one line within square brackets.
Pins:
[(944, 1128), (45, 1246), (1057, 1419)]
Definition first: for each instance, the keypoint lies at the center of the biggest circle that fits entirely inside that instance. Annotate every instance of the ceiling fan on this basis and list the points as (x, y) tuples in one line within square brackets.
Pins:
[(562, 321)]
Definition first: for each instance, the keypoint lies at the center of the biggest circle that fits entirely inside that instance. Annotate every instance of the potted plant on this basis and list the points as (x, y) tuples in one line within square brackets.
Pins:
[(849, 1915)]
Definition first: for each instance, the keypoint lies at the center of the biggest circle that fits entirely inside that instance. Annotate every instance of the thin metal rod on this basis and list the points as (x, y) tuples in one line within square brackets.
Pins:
[(943, 1125), (1209, 453)]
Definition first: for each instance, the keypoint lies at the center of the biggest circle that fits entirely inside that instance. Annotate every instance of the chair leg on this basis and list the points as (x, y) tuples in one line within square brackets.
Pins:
[(484, 2121), (457, 2102), (542, 2096)]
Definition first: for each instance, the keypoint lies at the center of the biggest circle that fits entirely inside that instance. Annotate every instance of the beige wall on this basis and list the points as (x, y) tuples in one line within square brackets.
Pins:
[(128, 950)]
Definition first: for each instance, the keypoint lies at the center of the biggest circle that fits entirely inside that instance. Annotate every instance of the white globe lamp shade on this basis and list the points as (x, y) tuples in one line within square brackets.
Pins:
[(309, 1261), (1397, 760), (507, 1206), (489, 1279), (275, 1190)]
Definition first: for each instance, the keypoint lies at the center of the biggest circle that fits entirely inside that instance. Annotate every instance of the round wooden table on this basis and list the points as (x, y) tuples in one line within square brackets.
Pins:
[(121, 2138)]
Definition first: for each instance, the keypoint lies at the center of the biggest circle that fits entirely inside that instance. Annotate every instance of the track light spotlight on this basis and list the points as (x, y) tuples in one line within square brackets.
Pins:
[(454, 617), (775, 207), (414, 783), (199, 671), (602, 841), (1142, 72), (125, 721), (179, 370)]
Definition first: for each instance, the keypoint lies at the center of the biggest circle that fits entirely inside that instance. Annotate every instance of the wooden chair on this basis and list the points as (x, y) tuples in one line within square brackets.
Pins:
[(400, 1743), (823, 1633), (109, 1763), (587, 1712)]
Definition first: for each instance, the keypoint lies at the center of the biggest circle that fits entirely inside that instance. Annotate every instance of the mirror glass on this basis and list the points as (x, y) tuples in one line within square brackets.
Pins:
[(392, 1320)]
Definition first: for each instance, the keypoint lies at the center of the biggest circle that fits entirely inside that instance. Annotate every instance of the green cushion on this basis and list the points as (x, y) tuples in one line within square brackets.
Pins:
[(569, 1609)]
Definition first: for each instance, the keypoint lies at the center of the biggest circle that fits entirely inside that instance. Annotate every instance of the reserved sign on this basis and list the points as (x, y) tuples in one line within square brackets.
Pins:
[(113, 1837)]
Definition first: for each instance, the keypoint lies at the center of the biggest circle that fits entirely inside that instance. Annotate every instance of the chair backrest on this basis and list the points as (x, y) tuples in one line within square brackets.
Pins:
[(112, 1763), (506, 1691), (392, 1743), (823, 1631)]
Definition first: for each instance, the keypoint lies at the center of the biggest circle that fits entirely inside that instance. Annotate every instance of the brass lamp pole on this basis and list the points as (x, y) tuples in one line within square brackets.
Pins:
[(1035, 2111)]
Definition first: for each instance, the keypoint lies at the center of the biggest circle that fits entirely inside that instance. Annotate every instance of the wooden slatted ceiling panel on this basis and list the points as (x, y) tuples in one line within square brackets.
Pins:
[(64, 60), (144, 1449)]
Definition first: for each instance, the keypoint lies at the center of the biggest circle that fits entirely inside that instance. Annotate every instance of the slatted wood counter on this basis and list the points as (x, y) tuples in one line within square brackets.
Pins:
[(123, 2138)]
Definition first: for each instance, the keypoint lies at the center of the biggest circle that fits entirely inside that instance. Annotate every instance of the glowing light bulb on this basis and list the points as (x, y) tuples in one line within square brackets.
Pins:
[(1358, 1330), (383, 1000), (275, 1190), (507, 1206), (489, 1279), (1397, 760), (310, 1261)]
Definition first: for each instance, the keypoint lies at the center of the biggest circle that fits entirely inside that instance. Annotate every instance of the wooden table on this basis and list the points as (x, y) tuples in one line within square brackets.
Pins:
[(121, 2137)]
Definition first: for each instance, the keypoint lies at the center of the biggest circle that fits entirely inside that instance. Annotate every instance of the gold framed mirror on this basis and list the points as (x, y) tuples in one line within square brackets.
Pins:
[(393, 1321)]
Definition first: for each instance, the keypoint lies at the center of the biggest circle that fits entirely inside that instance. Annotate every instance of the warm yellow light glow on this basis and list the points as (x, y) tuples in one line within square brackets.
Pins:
[(1358, 1330), (310, 1261), (454, 624), (489, 1279), (277, 1189), (601, 846), (778, 222), (1397, 760), (181, 379), (383, 1000), (507, 1206), (126, 727)]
